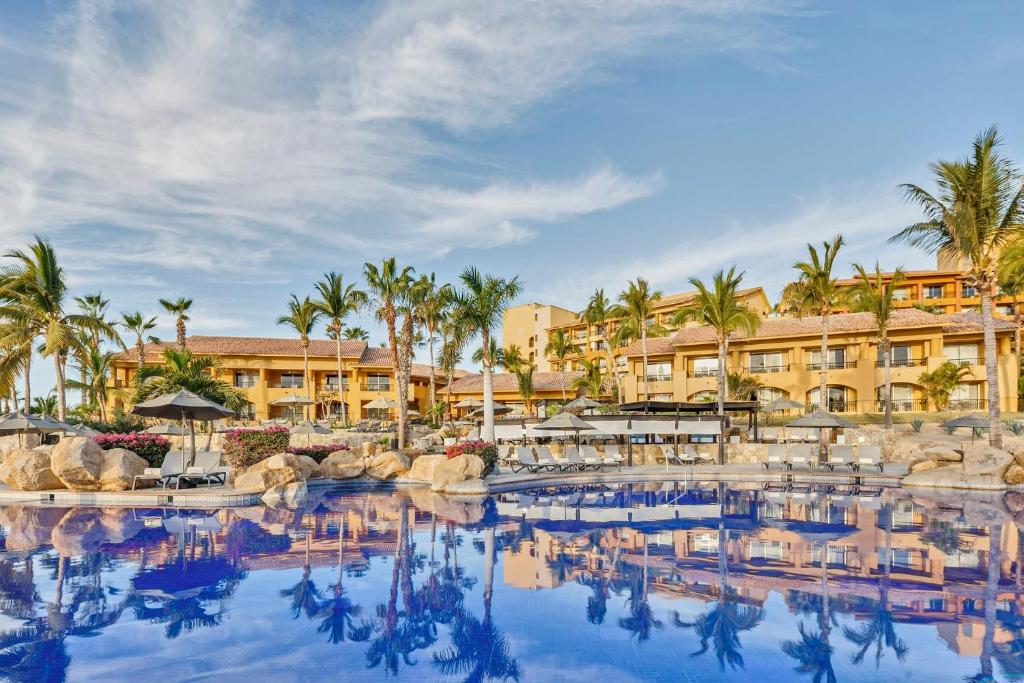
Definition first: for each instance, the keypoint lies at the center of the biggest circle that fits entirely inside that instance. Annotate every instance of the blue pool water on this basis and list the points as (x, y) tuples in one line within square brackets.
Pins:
[(642, 582)]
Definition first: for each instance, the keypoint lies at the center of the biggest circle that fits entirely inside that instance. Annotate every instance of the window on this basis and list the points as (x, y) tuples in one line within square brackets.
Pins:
[(378, 382), (934, 292), (705, 367), (767, 550), (661, 397), (621, 362), (331, 382), (1005, 309), (968, 291), (766, 395), (659, 372), (962, 354), (902, 398), (600, 330), (965, 397), (767, 362), (579, 334), (901, 294), (246, 380), (836, 399), (901, 357), (248, 412), (599, 345), (706, 396), (836, 359), (290, 380)]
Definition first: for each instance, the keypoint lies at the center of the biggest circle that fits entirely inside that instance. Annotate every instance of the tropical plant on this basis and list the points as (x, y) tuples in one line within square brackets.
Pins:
[(435, 302), (635, 311), (95, 369), (939, 383), (873, 294), (916, 424), (479, 305), (977, 211), (741, 386), (560, 347), (592, 381), (600, 312), (151, 447), (139, 325), (721, 308), (336, 302), (45, 405), (356, 334), (1011, 283), (453, 339), (179, 309), (524, 380), (243, 448), (302, 317)]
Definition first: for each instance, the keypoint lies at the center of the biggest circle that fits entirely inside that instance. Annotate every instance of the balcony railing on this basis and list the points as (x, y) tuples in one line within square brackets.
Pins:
[(962, 404), (246, 382), (762, 369), (833, 365), (703, 372), (966, 361), (900, 363), (659, 378), (376, 386), (902, 405), (835, 405), (288, 384)]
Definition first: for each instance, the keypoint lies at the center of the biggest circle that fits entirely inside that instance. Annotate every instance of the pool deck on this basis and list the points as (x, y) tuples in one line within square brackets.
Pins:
[(502, 482)]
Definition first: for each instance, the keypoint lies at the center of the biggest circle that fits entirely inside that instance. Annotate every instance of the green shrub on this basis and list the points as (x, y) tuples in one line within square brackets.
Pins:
[(485, 450), (318, 452), (243, 448), (1016, 427), (118, 423), (916, 424), (150, 447)]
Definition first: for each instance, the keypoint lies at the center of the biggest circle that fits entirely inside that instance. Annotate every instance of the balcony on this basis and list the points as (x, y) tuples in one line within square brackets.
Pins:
[(288, 384), (703, 372), (375, 386), (659, 378), (835, 405), (965, 404), (246, 382), (765, 369), (900, 363), (966, 361), (902, 405), (834, 365)]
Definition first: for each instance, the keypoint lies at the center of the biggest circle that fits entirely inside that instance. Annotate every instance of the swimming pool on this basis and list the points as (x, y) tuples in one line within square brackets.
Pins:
[(683, 581)]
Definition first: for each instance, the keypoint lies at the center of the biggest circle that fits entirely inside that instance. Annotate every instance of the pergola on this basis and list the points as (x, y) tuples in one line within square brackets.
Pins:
[(695, 408)]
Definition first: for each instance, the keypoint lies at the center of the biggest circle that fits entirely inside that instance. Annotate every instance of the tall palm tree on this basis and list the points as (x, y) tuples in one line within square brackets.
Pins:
[(356, 334), (636, 313), (599, 311), (139, 325), (183, 370), (977, 211), (524, 379), (1011, 283), (15, 361), (96, 369), (388, 285), (721, 308), (592, 381), (45, 405), (560, 347), (33, 293), (96, 306), (302, 317), (436, 300), (872, 294), (453, 339), (479, 304), (336, 302), (511, 359), (179, 309)]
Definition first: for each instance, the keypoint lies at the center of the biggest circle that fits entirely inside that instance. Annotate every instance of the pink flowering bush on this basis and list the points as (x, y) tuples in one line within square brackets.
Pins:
[(318, 452), (150, 447), (243, 448), (487, 451)]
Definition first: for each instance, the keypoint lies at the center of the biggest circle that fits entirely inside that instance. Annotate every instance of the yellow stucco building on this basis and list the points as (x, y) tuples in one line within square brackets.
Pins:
[(267, 369)]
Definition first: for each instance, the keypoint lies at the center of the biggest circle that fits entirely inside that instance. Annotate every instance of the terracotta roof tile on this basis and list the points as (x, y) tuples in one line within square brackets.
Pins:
[(254, 346), (506, 381)]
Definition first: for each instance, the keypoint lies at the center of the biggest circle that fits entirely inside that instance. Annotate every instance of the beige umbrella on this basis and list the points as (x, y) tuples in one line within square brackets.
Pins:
[(565, 422), (184, 405), (381, 403), (469, 403), (166, 429), (293, 400), (309, 429), (499, 408)]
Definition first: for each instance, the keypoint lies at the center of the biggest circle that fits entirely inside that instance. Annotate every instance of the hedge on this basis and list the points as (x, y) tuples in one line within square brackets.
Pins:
[(243, 448), (318, 452), (487, 451), (150, 447)]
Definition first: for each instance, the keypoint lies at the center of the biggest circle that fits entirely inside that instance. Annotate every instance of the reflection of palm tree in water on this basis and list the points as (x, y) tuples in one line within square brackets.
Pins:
[(338, 613), (304, 594), (597, 603), (641, 620), (813, 651), (995, 533)]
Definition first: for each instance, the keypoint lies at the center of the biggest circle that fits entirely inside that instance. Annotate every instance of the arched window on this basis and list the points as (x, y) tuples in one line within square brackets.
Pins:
[(766, 395), (706, 396), (837, 399), (902, 398)]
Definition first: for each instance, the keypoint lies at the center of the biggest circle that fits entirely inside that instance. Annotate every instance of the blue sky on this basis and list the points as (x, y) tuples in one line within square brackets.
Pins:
[(231, 152)]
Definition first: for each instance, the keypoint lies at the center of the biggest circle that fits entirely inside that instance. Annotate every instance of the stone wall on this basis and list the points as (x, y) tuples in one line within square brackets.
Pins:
[(11, 442)]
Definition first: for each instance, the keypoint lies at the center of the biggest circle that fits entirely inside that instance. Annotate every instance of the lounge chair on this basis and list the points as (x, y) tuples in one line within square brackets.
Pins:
[(801, 454), (169, 469), (545, 459), (612, 455), (592, 458), (777, 455), (691, 454), (870, 456), (840, 456), (206, 469), (522, 459), (669, 455), (770, 435), (573, 459)]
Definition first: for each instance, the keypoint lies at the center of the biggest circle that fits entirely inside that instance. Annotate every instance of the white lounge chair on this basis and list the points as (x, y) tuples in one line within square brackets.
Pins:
[(169, 469), (526, 460), (870, 456), (769, 435), (840, 456), (612, 455), (592, 458), (800, 455), (573, 459), (545, 459), (207, 469), (691, 454), (669, 454), (777, 455)]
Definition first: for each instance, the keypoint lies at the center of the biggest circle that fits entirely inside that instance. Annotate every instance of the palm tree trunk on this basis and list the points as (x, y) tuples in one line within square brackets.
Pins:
[(487, 432), (433, 378), (140, 351), (823, 382), (995, 427), (488, 571), (643, 349), (181, 333), (58, 368), (27, 398), (561, 379), (192, 439), (887, 376), (1016, 326), (341, 382), (305, 373), (721, 378)]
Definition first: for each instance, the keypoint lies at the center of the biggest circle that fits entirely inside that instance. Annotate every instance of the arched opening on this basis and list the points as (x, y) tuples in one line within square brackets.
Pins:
[(840, 398)]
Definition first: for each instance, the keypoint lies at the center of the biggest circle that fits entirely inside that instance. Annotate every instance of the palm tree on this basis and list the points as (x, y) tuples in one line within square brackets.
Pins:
[(436, 300), (977, 211), (139, 325), (96, 369), (592, 381), (93, 305), (480, 305), (816, 292), (641, 619), (721, 308), (179, 309), (872, 294), (511, 359), (182, 370), (45, 405), (356, 334), (560, 347), (302, 317), (1011, 283), (939, 383), (453, 339), (388, 284), (636, 313), (15, 361), (32, 297), (337, 301), (599, 311), (524, 379), (814, 653), (741, 386)]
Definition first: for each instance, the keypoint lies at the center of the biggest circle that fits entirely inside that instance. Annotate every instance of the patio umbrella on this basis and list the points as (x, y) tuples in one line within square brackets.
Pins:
[(783, 403), (165, 429), (821, 420), (381, 403), (565, 422), (499, 408), (183, 405), (581, 403), (293, 400), (469, 403), (23, 424), (973, 422), (79, 430), (309, 429)]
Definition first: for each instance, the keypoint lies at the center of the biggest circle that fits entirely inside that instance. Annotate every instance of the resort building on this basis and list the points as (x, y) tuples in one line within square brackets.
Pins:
[(942, 291), (548, 387), (530, 327), (267, 369), (784, 356)]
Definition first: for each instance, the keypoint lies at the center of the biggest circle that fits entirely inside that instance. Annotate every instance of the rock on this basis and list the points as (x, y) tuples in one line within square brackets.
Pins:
[(119, 525), (1018, 455), (923, 465), (274, 496), (423, 467), (981, 458), (44, 448), (295, 493), (453, 470), (341, 465), (308, 465), (368, 448), (470, 487), (32, 471), (120, 467), (1014, 501), (10, 457), (283, 468), (79, 532), (387, 465), (78, 462), (954, 476), (943, 453), (1014, 475), (32, 527)]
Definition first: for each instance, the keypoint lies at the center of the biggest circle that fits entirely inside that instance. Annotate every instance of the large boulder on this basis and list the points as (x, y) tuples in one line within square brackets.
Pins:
[(923, 465), (470, 487), (78, 462), (1014, 475), (980, 458), (341, 465), (308, 466), (424, 466), (120, 467), (31, 527), (457, 469), (31, 471), (368, 448), (10, 457), (943, 453), (283, 468), (387, 465), (954, 477)]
